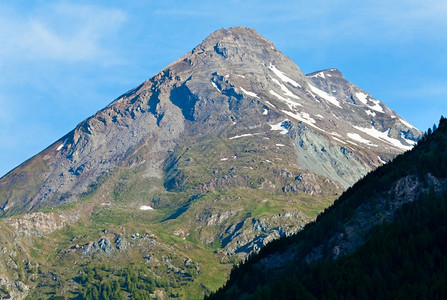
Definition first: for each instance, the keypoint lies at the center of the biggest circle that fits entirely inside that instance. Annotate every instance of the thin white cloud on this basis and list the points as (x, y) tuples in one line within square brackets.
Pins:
[(64, 32)]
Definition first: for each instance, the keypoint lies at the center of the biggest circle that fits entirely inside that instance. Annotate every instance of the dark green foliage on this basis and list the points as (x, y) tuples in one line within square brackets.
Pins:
[(106, 283), (404, 259)]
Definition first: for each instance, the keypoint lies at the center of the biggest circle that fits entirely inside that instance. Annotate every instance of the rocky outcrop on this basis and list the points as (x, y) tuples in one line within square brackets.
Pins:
[(12, 289), (378, 211), (209, 218), (252, 234), (309, 184), (40, 223), (121, 243), (103, 245)]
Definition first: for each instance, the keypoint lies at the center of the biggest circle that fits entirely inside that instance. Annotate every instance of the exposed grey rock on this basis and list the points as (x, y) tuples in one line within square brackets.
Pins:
[(252, 234), (16, 289), (121, 243), (41, 223), (212, 219), (103, 246)]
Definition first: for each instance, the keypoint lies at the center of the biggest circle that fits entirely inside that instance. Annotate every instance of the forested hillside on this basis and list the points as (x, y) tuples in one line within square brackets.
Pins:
[(398, 252)]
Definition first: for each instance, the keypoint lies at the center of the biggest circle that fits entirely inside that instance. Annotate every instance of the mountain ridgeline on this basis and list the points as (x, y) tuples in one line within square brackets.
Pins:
[(223, 151), (385, 237)]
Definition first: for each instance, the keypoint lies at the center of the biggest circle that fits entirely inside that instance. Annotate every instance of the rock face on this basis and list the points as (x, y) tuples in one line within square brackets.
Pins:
[(236, 83)]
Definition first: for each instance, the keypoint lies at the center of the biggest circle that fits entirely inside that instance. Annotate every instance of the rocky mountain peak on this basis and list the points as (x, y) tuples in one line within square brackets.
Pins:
[(234, 84), (236, 40), (235, 51)]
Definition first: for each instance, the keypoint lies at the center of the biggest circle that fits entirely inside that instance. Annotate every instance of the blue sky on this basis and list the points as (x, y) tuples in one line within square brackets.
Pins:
[(61, 61)]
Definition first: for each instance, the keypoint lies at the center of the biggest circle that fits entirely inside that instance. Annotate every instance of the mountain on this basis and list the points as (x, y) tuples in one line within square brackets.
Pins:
[(227, 148), (235, 83), (383, 238)]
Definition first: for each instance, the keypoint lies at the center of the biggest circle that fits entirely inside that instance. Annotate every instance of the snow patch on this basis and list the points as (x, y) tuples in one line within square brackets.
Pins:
[(313, 95), (282, 76), (215, 86), (381, 160), (325, 96), (146, 207), (62, 145), (291, 104), (280, 145), (319, 74), (269, 104), (407, 124), (335, 134), (280, 126), (362, 97), (224, 159), (338, 140), (320, 116), (278, 96), (358, 138), (383, 136), (265, 112), (242, 135), (411, 142), (370, 113), (303, 117), (251, 94), (376, 105), (285, 90)]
